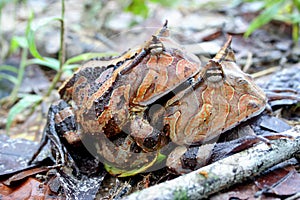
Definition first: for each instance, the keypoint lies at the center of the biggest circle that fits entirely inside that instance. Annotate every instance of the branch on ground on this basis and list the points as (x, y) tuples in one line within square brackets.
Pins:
[(226, 172)]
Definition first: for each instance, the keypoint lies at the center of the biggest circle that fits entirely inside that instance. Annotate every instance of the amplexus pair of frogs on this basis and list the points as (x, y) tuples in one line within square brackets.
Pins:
[(151, 104)]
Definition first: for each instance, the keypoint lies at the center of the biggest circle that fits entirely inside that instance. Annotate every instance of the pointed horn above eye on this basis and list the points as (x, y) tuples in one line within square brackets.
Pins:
[(164, 31), (166, 24), (228, 42), (225, 53), (154, 38)]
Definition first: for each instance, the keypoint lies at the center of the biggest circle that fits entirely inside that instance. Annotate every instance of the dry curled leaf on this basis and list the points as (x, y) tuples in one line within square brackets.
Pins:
[(30, 189), (281, 182)]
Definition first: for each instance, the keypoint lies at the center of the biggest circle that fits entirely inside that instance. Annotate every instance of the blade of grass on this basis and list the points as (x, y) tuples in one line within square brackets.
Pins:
[(70, 68), (24, 103), (16, 42), (52, 63), (13, 94), (266, 16), (297, 4), (138, 7), (8, 77), (295, 33), (88, 56), (166, 3), (30, 38), (8, 68)]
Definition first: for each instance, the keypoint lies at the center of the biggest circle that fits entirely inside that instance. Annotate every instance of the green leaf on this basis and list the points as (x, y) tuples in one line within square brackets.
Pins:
[(88, 56), (52, 63), (30, 35), (32, 47), (294, 17), (295, 33), (266, 16), (138, 7), (8, 68), (165, 3), (3, 3), (297, 4), (160, 158), (124, 173), (30, 38), (9, 77), (70, 67), (69, 72), (27, 101), (17, 42), (45, 22)]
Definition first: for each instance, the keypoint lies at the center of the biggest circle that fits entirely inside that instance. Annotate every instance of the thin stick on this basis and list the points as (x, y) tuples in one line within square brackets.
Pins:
[(226, 172), (266, 72)]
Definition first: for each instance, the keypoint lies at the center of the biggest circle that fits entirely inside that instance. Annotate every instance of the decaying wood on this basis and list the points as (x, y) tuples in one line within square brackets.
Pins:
[(226, 172)]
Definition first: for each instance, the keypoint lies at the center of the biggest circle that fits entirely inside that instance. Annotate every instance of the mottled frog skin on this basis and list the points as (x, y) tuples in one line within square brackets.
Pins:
[(221, 98), (152, 98)]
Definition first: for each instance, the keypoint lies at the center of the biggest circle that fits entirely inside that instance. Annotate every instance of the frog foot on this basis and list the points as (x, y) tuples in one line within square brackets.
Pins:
[(183, 160)]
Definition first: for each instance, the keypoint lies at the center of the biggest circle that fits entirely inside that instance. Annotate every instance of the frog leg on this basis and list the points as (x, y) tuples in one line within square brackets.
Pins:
[(183, 159), (146, 136), (55, 120)]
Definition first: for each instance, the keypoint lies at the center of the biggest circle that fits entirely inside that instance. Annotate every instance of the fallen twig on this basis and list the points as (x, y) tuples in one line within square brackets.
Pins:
[(226, 172), (249, 61), (266, 72)]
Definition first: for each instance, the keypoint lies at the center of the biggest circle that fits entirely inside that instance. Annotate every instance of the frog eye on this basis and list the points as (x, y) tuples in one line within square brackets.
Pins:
[(156, 50), (214, 75), (214, 72), (156, 47), (241, 81), (252, 104)]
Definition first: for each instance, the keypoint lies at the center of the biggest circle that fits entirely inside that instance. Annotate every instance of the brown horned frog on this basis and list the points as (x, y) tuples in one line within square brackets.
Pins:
[(136, 105)]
